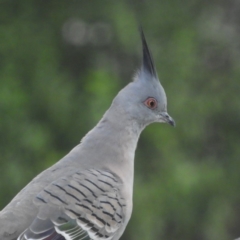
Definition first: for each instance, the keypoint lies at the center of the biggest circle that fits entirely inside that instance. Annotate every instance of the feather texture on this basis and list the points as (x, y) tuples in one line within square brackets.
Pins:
[(86, 205)]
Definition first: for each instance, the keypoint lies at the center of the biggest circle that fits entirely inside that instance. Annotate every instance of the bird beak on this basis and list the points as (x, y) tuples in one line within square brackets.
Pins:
[(167, 119)]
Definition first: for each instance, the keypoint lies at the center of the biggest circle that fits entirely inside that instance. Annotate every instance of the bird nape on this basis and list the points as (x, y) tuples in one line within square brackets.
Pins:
[(88, 193)]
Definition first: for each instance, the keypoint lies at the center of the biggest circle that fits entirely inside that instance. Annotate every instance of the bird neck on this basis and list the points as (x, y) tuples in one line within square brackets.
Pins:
[(114, 131), (113, 140)]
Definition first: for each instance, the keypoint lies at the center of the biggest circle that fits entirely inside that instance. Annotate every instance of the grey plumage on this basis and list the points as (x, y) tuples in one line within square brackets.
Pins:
[(88, 193)]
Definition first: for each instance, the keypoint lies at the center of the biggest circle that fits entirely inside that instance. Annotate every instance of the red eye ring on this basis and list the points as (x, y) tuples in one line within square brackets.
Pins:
[(151, 103)]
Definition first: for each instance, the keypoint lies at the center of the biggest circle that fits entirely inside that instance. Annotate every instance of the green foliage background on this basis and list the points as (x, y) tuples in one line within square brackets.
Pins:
[(61, 64)]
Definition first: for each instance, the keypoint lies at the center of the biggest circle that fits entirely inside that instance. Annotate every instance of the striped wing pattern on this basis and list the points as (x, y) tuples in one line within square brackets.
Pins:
[(88, 206)]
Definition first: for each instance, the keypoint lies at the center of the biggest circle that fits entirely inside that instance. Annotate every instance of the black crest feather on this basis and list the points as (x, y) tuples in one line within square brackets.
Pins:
[(148, 64)]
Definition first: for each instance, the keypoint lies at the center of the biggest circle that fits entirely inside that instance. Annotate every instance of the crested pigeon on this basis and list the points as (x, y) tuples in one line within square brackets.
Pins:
[(87, 195)]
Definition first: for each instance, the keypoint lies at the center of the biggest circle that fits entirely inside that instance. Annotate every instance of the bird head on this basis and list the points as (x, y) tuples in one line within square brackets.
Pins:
[(144, 99)]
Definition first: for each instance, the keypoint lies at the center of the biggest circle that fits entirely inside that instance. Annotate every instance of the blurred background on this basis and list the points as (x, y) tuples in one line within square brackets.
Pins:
[(61, 64)]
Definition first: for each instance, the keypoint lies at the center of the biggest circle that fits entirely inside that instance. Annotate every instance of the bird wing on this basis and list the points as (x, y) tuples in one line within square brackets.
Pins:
[(86, 205)]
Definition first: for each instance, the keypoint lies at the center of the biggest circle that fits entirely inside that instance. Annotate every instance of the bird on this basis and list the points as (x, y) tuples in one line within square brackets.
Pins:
[(87, 195)]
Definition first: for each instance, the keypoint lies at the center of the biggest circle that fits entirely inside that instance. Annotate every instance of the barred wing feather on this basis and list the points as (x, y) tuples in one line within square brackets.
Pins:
[(84, 206)]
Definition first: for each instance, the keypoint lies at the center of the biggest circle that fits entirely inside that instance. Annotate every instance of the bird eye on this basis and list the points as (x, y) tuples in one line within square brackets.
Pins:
[(151, 103)]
